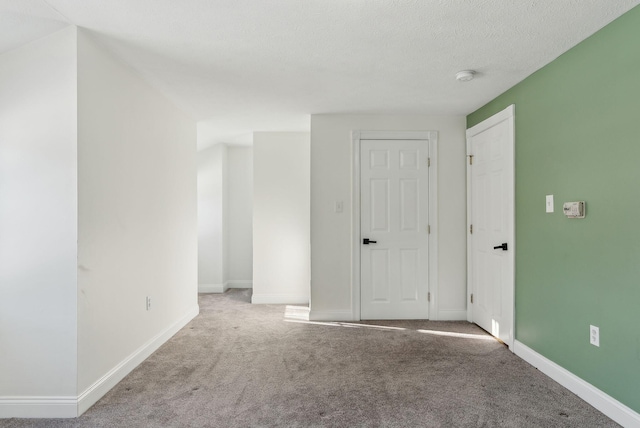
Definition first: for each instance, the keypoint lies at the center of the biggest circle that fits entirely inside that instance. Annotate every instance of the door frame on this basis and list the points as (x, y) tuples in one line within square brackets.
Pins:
[(508, 114), (356, 238)]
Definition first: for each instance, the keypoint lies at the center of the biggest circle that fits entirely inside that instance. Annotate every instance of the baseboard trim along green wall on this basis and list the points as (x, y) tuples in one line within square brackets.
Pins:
[(577, 138), (589, 393)]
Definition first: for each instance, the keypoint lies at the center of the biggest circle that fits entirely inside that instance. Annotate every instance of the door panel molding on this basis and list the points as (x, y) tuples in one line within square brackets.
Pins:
[(356, 239)]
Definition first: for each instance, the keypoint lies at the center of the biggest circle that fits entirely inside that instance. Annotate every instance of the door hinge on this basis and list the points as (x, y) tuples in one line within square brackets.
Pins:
[(428, 296), (471, 229), (470, 159), (429, 229), (428, 162), (471, 297)]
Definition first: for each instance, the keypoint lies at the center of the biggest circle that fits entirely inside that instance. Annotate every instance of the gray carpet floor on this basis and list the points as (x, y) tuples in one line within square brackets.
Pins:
[(243, 365)]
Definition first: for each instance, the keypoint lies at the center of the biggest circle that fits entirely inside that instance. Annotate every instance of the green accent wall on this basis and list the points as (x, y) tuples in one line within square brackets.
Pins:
[(578, 138)]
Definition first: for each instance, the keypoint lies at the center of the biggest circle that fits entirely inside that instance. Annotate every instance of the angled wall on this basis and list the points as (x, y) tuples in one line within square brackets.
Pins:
[(577, 138), (137, 219), (38, 226), (98, 212)]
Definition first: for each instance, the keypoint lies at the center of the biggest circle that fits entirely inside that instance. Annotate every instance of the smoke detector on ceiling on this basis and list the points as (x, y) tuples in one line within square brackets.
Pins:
[(465, 75)]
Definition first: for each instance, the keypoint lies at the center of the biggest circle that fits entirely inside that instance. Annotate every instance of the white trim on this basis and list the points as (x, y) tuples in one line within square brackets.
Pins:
[(71, 407), (469, 243), (96, 391), (280, 299), (331, 316), (355, 227), (452, 315), (239, 283), (38, 407), (603, 402), (497, 118), (508, 114), (432, 137), (212, 288), (434, 282), (396, 135)]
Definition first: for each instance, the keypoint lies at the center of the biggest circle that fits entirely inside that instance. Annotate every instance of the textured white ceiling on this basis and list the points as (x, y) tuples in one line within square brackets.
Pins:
[(23, 21), (265, 65)]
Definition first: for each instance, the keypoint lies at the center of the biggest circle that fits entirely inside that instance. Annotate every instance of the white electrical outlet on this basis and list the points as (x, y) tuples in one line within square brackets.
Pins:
[(594, 335), (148, 303)]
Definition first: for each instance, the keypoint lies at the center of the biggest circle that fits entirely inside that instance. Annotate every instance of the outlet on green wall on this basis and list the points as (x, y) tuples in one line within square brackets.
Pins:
[(578, 138)]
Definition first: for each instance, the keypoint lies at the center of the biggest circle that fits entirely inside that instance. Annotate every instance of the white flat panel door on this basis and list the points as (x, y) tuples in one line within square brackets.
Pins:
[(491, 240), (394, 201)]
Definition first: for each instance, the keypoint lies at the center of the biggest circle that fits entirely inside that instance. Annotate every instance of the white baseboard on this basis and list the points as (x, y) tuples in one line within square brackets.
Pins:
[(221, 288), (443, 315), (38, 407), (212, 288), (451, 315), (605, 403), (71, 407), (96, 391), (280, 299), (331, 316), (300, 313), (239, 283)]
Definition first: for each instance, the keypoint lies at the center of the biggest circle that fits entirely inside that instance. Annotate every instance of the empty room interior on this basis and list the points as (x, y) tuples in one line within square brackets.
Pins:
[(319, 213)]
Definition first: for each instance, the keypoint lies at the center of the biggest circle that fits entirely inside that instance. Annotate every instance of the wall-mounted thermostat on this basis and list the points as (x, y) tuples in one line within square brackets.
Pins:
[(574, 209)]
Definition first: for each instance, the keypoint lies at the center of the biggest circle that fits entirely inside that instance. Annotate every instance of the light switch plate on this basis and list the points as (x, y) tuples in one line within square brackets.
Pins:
[(549, 205)]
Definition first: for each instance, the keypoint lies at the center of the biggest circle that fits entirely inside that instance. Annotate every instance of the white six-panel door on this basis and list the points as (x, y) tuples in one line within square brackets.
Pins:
[(491, 218), (394, 200)]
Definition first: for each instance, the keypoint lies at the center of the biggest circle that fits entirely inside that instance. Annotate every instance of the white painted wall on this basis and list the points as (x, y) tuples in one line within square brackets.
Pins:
[(240, 211), (38, 219), (331, 181), (281, 217), (97, 212), (137, 205), (225, 215), (212, 219)]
